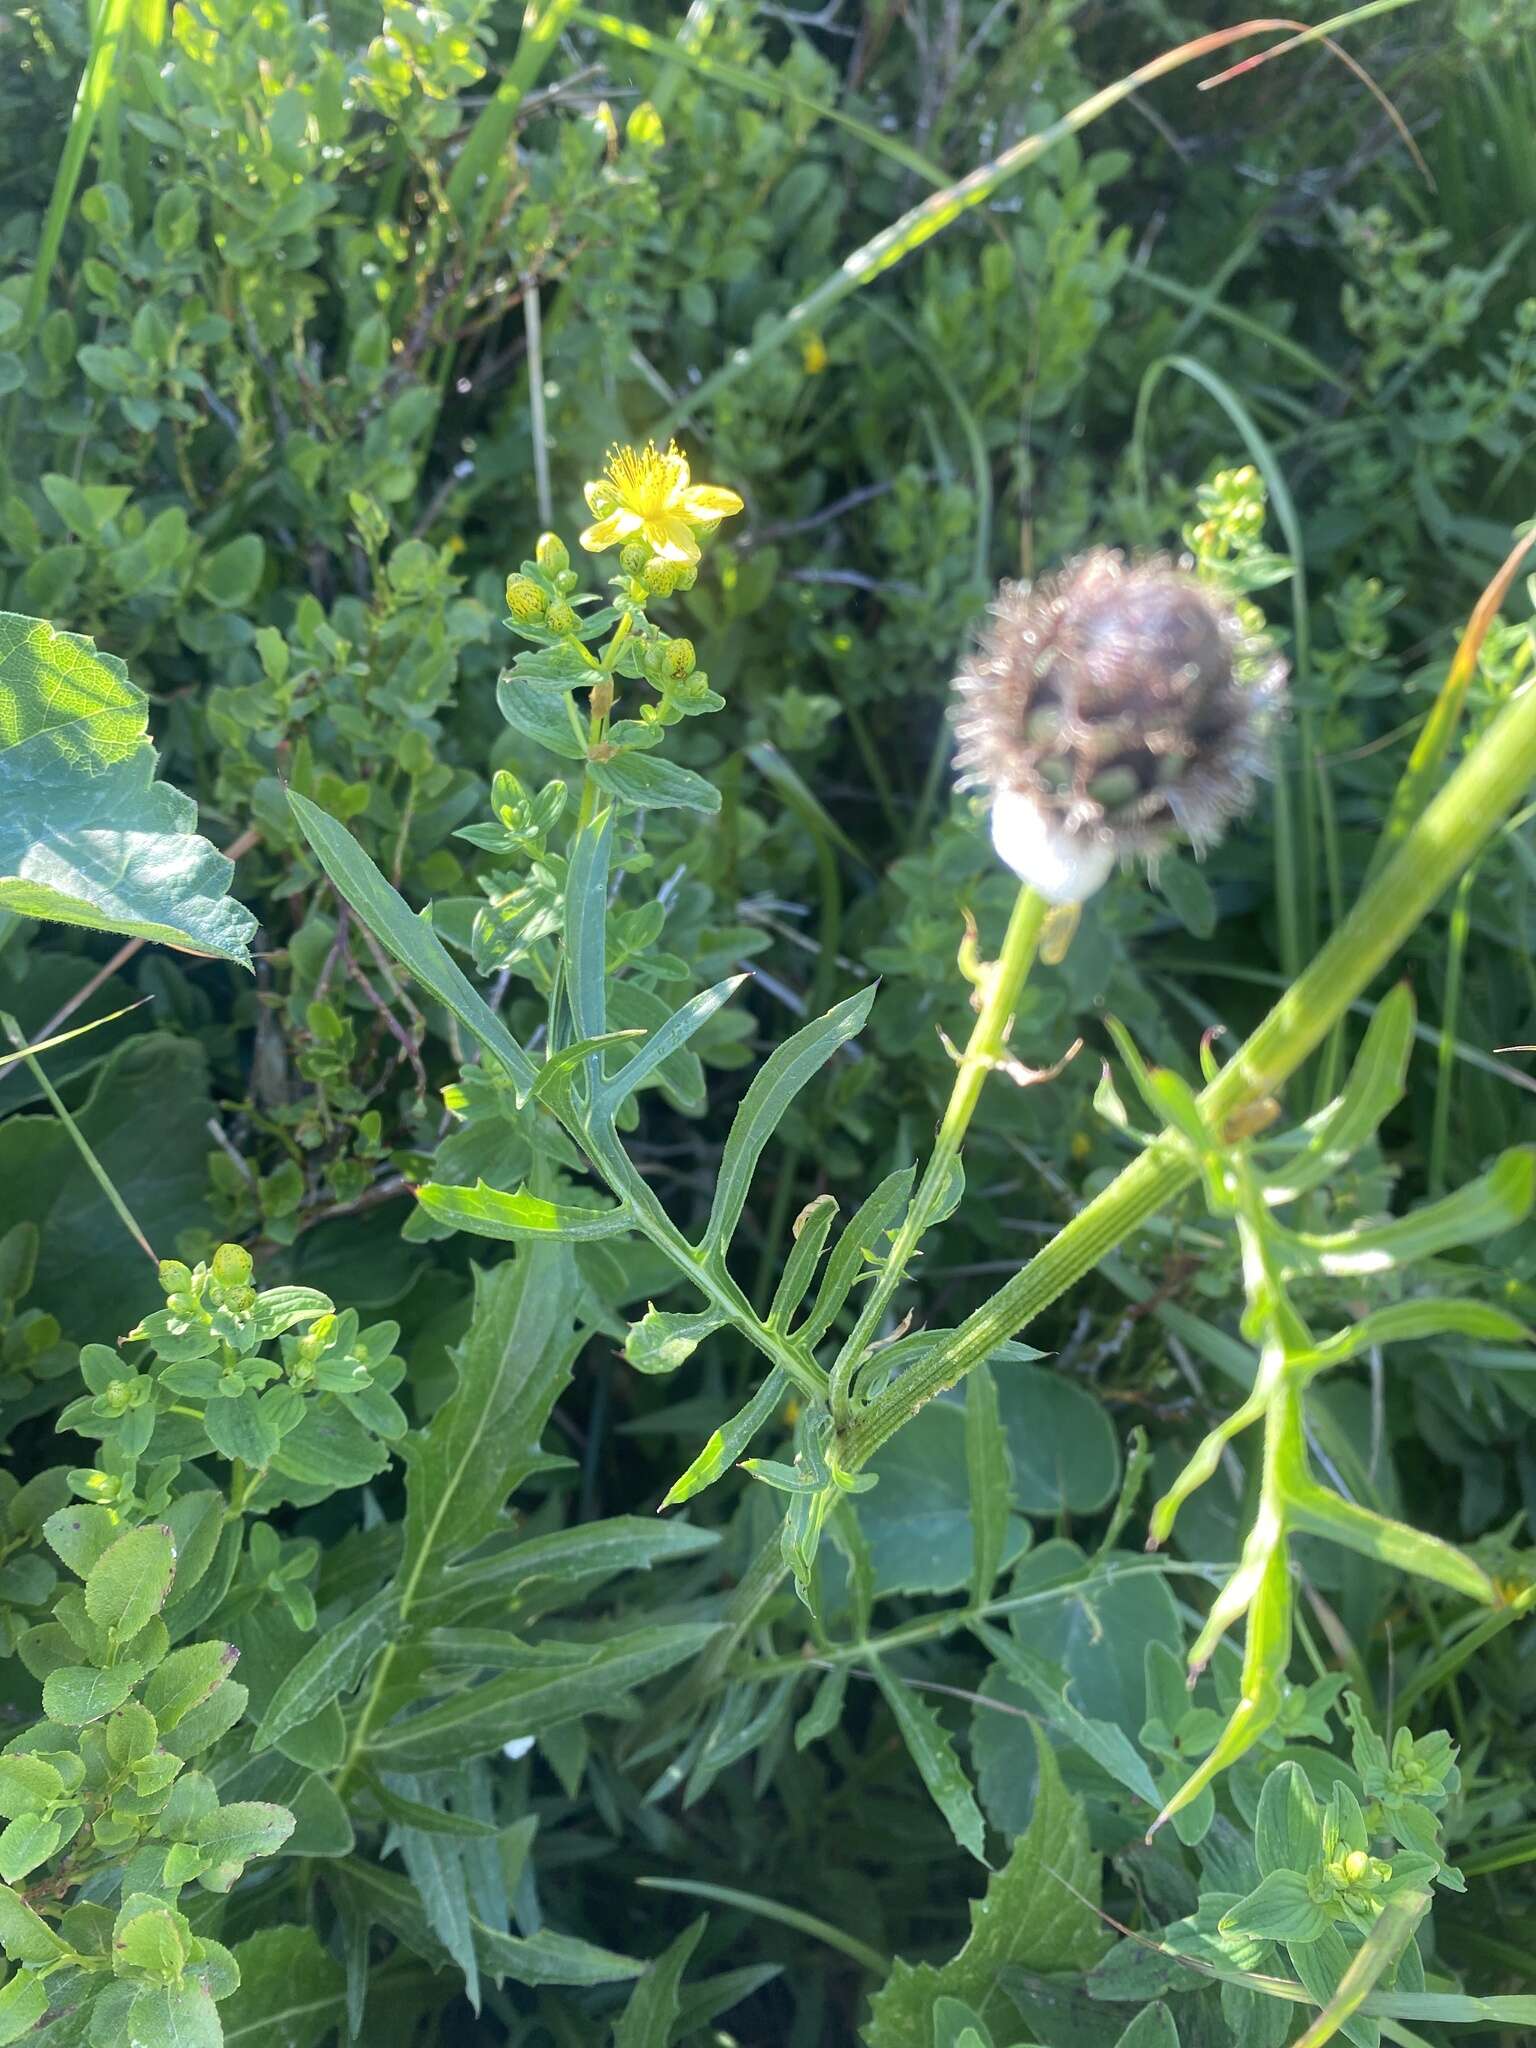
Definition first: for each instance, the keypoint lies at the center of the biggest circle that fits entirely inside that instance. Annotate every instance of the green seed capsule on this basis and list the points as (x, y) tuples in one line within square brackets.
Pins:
[(1113, 787)]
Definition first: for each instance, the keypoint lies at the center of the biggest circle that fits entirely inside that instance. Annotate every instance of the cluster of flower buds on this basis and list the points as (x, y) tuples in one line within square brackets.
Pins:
[(539, 595)]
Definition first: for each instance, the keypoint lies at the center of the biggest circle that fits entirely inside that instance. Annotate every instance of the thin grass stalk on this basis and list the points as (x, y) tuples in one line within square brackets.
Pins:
[(95, 85), (932, 215), (1433, 745)]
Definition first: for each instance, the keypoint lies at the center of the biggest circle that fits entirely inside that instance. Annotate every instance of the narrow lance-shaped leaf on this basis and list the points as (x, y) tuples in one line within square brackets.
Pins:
[(1040, 1913), (1495, 1202), (513, 1364), (810, 1236), (87, 835), (851, 1256), (329, 1667), (476, 1722), (651, 2014), (488, 1212), (1406, 1321), (986, 1464), (778, 1081), (586, 915), (1375, 1084), (728, 1442), (932, 1751), (413, 943), (661, 1044)]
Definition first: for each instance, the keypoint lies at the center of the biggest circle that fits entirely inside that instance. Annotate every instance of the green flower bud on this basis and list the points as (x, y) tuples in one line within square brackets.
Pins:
[(687, 575), (677, 660), (633, 557), (660, 576), (560, 618), (525, 601), (552, 554), (565, 581), (175, 1278), (232, 1266)]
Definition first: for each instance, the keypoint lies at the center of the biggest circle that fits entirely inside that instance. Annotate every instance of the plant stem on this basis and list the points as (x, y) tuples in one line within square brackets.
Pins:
[(1446, 836), (988, 1042)]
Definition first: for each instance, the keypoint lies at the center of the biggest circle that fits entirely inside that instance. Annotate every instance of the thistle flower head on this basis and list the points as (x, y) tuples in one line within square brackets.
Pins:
[(1109, 711)]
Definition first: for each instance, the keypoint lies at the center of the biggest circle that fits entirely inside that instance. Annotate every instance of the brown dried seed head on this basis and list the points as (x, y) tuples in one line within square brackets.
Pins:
[(1119, 707)]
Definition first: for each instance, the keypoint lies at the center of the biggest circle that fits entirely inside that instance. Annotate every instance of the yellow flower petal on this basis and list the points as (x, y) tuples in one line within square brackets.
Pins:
[(610, 531), (709, 501), (672, 539)]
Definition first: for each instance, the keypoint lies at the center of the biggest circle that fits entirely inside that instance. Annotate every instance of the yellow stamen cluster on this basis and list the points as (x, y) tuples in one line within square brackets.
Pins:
[(646, 495)]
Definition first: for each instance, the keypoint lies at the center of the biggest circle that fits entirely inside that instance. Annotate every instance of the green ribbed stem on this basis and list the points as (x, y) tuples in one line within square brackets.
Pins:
[(988, 1045)]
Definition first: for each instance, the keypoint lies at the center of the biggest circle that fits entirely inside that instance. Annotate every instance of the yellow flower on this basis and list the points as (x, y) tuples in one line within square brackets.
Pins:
[(647, 495)]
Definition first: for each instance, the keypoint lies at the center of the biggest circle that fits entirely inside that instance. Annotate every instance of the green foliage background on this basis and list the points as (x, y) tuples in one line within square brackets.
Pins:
[(325, 345)]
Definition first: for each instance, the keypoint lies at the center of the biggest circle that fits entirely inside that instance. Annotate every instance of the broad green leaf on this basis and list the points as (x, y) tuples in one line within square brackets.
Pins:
[(479, 1720), (649, 2018), (776, 1084), (540, 716), (1486, 1207), (659, 1047), (1039, 1913), (81, 1534), (329, 1668), (586, 920), (128, 1583), (87, 835), (291, 1994), (77, 1694), (23, 2001), (727, 1443), (412, 941), (1288, 1828), (986, 1463), (25, 1843), (146, 1119), (1153, 2028), (513, 1364), (917, 1520), (242, 1428), (930, 1748), (1280, 1909), (174, 2016), (28, 1784), (1046, 1684), (24, 1935), (655, 785), (243, 1830), (1063, 1446), (186, 1678), (663, 1340), (487, 1212)]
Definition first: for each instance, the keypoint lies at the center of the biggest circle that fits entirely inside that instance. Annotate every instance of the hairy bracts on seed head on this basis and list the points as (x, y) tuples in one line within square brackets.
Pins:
[(1110, 710)]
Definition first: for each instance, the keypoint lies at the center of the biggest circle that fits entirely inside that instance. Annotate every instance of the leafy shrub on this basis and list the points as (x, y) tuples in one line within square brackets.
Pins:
[(354, 1684)]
